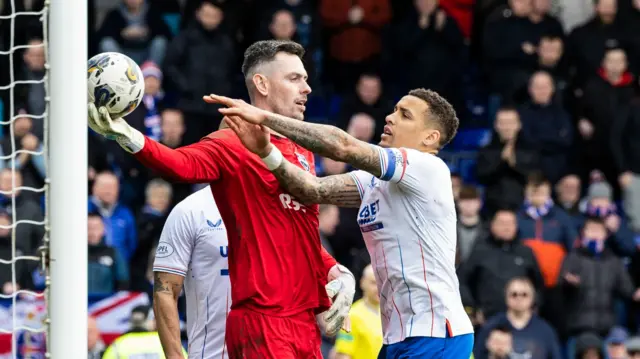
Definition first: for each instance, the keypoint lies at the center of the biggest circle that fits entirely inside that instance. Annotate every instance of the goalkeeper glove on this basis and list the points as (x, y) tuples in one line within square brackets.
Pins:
[(341, 291), (130, 139)]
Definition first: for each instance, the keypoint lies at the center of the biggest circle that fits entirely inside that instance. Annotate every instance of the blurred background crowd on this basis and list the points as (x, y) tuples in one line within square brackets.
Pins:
[(545, 168)]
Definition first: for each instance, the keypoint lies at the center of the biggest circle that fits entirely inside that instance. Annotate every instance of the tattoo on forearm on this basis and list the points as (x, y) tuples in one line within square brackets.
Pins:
[(327, 141), (338, 190)]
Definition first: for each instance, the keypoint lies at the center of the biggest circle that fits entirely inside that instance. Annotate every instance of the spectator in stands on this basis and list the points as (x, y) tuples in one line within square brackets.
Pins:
[(354, 37), (118, 220), (568, 193), (493, 262), (591, 276), (22, 268), (96, 346), (283, 26), (135, 29), (572, 13), (368, 98), (633, 347), (29, 235), (152, 100), (328, 218), (149, 226), (456, 185), (510, 40), (549, 231), (306, 20), (32, 95), (431, 52), (547, 126), (363, 127), (504, 164), (108, 271), (625, 131), (172, 131), (588, 346), (32, 166), (499, 344), (606, 96), (616, 343), (548, 24), (191, 77), (471, 228), (551, 60), (588, 43), (632, 23), (599, 203), (365, 339), (533, 337)]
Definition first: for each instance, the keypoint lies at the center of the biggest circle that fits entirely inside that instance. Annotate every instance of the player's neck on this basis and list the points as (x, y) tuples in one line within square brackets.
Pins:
[(519, 320), (262, 105)]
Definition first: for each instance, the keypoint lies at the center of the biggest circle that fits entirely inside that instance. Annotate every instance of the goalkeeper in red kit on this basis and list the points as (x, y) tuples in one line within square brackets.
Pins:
[(277, 267)]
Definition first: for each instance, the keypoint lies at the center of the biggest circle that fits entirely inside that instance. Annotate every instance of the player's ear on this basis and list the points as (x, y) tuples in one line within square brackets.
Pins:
[(431, 138), (261, 84)]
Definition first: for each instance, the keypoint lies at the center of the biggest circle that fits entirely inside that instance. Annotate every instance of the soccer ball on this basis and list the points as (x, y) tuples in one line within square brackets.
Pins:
[(116, 82)]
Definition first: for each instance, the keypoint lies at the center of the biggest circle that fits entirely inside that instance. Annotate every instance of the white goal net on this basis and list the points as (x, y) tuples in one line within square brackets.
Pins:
[(24, 180)]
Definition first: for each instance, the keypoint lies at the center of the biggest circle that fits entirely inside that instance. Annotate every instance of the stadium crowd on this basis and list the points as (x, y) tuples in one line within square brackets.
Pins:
[(546, 165)]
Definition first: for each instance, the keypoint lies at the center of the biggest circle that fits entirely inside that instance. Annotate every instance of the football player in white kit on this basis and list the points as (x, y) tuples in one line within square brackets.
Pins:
[(193, 246), (407, 212), (192, 252)]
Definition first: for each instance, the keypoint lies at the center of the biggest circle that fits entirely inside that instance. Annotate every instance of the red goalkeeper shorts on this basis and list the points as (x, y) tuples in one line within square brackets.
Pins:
[(252, 335)]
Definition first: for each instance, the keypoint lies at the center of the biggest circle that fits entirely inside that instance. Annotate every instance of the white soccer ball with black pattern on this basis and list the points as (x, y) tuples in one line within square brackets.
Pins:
[(116, 82)]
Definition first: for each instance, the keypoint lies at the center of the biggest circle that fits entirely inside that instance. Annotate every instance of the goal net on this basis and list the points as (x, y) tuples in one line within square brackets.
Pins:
[(43, 174), (23, 216)]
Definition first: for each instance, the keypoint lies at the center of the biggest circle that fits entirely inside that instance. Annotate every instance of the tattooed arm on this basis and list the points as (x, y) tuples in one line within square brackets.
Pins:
[(328, 141), (340, 190), (166, 290)]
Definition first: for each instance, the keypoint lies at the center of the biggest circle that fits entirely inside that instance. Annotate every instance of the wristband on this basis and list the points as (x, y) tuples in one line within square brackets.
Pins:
[(274, 159)]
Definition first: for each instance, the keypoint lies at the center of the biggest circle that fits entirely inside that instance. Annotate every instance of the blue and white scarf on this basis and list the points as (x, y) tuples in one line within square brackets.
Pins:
[(538, 212)]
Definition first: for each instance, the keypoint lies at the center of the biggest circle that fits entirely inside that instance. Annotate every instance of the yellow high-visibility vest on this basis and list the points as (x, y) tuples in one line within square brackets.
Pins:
[(144, 345)]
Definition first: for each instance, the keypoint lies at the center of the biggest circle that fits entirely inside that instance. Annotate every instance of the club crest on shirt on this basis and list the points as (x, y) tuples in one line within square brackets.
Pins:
[(303, 161)]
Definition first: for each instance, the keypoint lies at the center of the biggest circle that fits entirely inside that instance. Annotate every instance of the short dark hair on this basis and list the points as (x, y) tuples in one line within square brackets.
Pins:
[(441, 112), (468, 192), (537, 179), (265, 51)]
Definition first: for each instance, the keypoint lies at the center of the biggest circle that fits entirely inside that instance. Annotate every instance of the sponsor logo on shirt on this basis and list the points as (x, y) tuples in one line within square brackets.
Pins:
[(367, 217), (303, 162), (215, 226), (164, 250)]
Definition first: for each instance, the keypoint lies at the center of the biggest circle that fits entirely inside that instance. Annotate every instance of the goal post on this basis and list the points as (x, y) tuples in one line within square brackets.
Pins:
[(67, 133)]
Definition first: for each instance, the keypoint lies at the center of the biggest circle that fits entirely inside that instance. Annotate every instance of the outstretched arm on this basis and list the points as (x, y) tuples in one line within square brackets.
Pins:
[(340, 190), (328, 141)]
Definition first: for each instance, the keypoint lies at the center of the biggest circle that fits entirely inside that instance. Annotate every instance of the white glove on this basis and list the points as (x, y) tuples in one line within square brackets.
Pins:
[(130, 139), (341, 291)]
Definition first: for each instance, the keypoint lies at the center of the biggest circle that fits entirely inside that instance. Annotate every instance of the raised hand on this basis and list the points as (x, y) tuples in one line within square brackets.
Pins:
[(254, 137), (238, 108), (118, 129)]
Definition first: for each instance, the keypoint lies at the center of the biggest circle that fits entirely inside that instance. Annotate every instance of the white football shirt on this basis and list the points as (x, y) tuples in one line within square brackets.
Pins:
[(193, 244), (408, 221)]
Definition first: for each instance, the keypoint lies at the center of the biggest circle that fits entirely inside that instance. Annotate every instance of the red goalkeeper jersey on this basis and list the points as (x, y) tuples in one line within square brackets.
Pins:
[(277, 265)]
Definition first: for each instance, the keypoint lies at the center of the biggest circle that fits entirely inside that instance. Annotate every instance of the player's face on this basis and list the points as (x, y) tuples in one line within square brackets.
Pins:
[(287, 86), (406, 126)]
